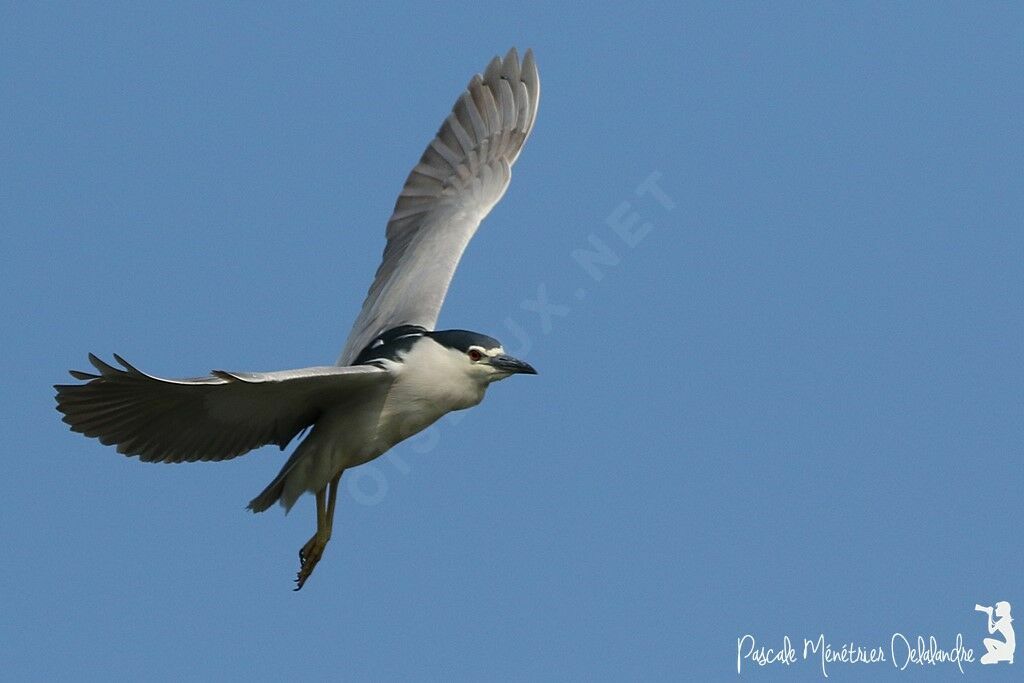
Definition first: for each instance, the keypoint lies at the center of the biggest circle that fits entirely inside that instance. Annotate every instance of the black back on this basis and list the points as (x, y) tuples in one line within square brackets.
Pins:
[(397, 340), (390, 343)]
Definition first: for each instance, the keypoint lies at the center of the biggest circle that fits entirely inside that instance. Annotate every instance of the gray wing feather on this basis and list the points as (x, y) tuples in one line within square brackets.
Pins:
[(462, 174), (208, 418)]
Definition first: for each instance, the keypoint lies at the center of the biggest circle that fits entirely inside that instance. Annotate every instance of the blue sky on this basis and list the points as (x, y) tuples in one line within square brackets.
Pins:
[(789, 403)]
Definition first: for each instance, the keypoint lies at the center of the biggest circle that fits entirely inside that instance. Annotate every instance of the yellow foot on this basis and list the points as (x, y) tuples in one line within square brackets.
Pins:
[(309, 555)]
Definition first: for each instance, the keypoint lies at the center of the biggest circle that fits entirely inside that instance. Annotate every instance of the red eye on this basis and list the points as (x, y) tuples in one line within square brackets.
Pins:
[(475, 355)]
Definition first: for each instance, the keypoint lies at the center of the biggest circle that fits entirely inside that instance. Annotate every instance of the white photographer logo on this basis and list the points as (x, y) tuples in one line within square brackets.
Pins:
[(999, 650)]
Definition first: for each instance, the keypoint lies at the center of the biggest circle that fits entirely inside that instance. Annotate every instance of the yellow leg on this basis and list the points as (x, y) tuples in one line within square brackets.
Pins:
[(311, 553), (331, 497)]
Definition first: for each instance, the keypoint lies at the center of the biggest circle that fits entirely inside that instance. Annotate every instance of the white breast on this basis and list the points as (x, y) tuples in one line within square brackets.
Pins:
[(431, 382)]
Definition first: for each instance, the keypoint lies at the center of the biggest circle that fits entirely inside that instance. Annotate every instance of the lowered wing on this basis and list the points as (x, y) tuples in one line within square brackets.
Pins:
[(210, 418), (460, 177)]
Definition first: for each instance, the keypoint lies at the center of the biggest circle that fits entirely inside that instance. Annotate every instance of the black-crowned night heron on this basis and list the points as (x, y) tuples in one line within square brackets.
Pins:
[(396, 374)]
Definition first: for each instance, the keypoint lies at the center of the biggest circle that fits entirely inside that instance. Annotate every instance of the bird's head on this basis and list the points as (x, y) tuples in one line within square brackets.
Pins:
[(444, 353), (481, 357)]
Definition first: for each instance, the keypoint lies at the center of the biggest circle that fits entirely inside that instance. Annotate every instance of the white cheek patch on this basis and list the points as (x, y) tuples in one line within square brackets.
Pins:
[(490, 353)]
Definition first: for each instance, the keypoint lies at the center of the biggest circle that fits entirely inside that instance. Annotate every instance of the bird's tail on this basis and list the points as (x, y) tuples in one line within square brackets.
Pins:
[(306, 470), (313, 465), (275, 489), (269, 496)]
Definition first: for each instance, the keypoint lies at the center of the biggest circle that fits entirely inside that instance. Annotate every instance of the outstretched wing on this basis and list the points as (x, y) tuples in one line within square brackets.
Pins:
[(209, 418), (460, 177)]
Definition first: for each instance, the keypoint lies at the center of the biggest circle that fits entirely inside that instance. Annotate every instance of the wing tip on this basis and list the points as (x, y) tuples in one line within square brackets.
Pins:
[(83, 376)]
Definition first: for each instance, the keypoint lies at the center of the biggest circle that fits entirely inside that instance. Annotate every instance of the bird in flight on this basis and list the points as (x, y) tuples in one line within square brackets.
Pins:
[(396, 374)]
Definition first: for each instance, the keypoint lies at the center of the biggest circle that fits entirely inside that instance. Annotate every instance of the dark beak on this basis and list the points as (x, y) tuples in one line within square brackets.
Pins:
[(512, 365)]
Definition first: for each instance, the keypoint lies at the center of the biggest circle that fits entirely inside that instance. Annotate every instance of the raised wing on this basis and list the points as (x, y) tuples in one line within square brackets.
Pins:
[(460, 177), (209, 418)]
